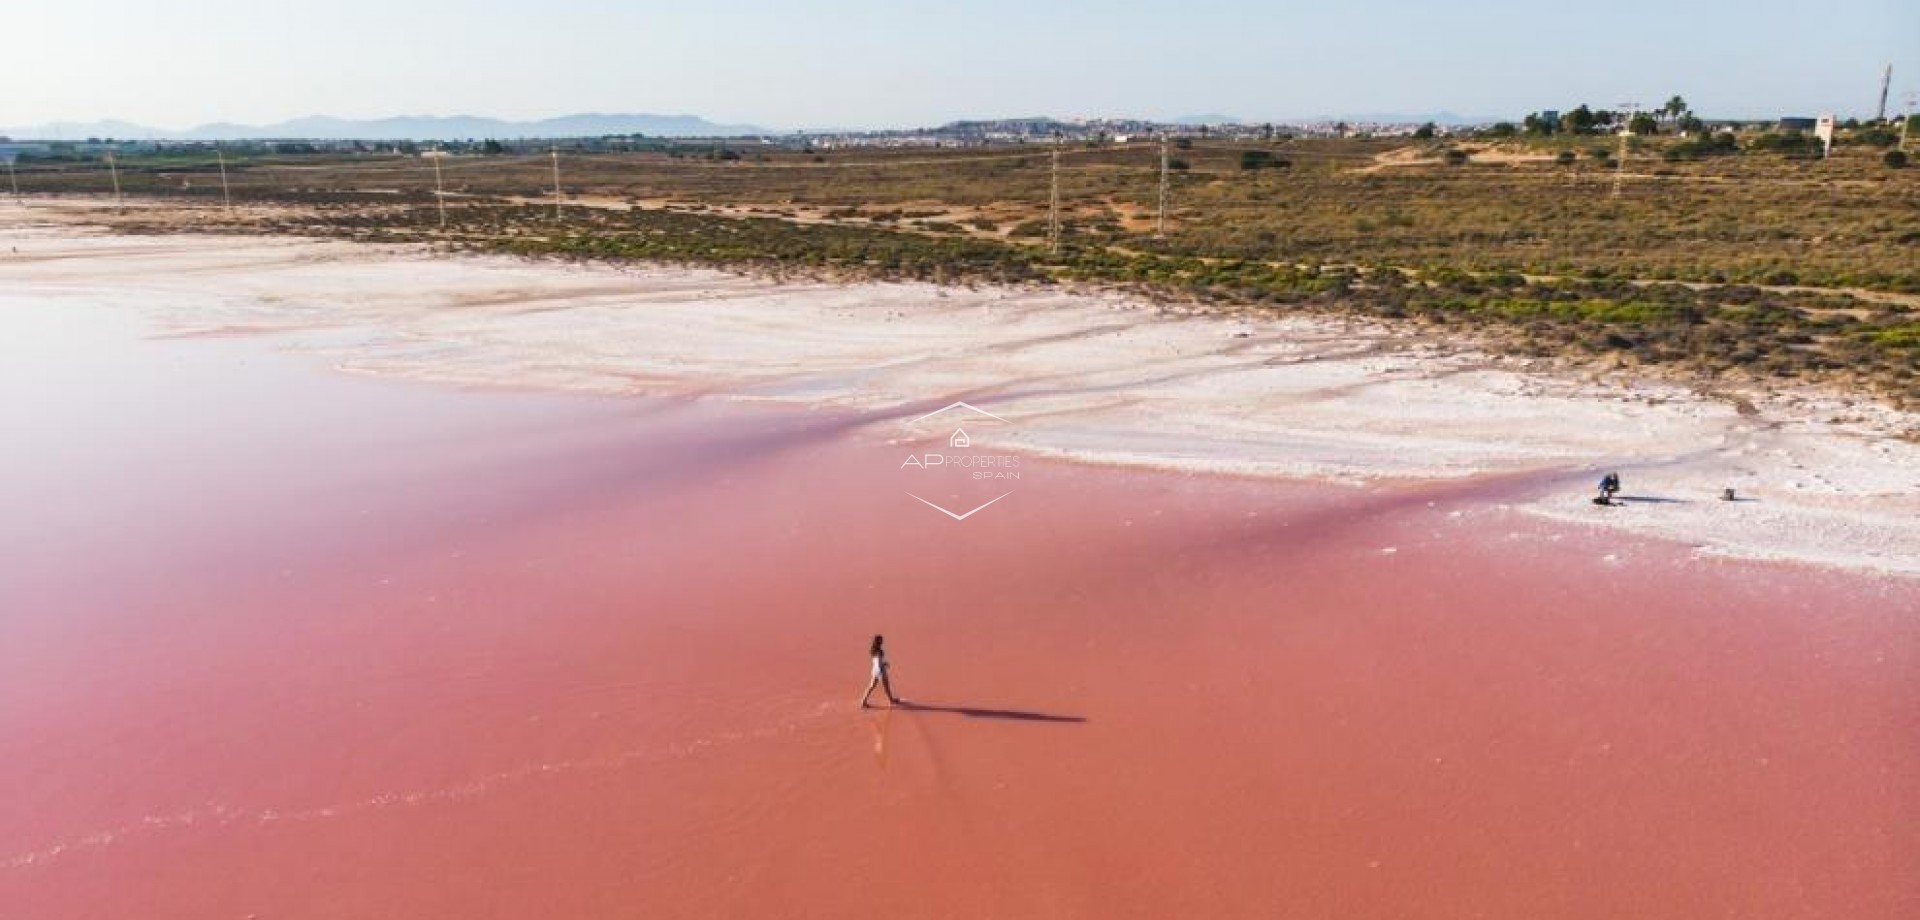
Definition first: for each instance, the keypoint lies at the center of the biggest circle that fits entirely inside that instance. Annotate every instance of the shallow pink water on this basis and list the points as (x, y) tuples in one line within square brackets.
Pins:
[(279, 642)]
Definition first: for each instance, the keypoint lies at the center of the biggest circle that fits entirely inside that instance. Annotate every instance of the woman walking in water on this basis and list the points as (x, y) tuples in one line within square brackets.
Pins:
[(879, 654)]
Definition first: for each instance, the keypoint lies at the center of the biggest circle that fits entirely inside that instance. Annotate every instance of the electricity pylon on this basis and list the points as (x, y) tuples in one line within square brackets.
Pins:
[(226, 196), (439, 188), (1160, 227), (1626, 134), (115, 170), (1053, 202)]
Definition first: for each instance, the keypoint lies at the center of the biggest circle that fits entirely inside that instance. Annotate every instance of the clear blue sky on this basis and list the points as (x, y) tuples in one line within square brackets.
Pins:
[(877, 63)]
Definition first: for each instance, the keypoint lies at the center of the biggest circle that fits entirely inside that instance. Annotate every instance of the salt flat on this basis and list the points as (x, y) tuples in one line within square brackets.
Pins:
[(1093, 377)]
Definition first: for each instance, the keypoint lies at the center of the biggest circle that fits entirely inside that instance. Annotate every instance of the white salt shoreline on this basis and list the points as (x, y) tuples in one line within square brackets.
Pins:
[(1087, 377)]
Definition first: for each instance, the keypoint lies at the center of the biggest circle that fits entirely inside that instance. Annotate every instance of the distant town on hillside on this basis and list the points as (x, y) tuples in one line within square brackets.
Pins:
[(641, 132)]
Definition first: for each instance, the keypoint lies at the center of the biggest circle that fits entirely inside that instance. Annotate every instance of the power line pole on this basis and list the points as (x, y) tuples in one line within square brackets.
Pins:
[(1160, 229), (555, 150), (226, 194), (115, 170), (1630, 109), (1886, 83), (1907, 119), (14, 180), (1053, 203), (439, 188)]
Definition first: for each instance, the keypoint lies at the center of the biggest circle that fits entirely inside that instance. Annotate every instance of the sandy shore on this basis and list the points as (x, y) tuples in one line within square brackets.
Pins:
[(1102, 379)]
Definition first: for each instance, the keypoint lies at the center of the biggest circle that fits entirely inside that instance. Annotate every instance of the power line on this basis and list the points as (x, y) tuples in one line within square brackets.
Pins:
[(399, 165), (740, 165)]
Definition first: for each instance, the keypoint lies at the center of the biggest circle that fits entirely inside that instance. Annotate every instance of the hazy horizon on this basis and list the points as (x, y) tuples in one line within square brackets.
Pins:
[(861, 64)]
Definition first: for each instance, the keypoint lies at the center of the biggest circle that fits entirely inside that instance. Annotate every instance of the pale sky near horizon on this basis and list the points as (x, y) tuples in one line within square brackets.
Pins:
[(903, 63)]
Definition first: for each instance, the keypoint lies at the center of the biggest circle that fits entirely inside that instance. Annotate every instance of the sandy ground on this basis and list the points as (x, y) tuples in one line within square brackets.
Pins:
[(1098, 378)]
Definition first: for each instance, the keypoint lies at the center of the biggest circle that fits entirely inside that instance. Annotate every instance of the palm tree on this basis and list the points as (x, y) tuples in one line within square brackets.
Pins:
[(1674, 108)]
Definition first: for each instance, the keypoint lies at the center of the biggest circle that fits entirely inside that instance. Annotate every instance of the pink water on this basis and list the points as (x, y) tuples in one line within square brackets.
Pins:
[(280, 642)]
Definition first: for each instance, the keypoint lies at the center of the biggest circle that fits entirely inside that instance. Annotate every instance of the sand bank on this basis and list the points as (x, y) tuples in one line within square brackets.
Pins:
[(1104, 379)]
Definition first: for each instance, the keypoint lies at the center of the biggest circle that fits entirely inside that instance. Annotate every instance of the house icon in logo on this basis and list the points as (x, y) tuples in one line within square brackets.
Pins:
[(959, 439)]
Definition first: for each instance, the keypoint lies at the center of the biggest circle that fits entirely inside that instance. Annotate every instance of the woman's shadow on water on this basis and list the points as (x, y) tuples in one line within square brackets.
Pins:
[(974, 712)]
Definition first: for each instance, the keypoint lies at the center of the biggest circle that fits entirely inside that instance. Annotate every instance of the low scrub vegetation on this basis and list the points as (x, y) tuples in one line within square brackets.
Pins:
[(1708, 330), (1699, 262)]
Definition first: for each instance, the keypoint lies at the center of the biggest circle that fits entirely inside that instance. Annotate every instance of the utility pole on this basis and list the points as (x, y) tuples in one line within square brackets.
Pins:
[(226, 195), (1907, 120), (115, 170), (1160, 229), (1886, 83), (1630, 109), (1053, 203), (14, 180), (439, 188), (555, 150)]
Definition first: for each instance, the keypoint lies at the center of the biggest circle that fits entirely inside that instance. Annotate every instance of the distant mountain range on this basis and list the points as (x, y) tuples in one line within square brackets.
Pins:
[(593, 124), (455, 127)]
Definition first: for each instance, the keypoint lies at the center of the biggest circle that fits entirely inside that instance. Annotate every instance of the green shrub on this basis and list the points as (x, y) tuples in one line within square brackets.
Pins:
[(1874, 137), (1261, 159), (1790, 143)]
